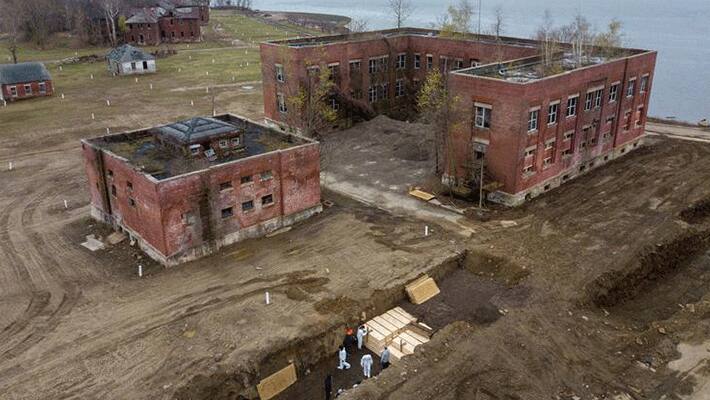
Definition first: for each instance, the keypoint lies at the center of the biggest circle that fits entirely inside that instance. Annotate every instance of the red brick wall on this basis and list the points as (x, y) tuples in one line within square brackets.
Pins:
[(22, 94), (150, 32), (511, 102), (175, 30)]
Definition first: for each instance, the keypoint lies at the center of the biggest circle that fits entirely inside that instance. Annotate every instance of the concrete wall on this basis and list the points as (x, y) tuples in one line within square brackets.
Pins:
[(21, 93)]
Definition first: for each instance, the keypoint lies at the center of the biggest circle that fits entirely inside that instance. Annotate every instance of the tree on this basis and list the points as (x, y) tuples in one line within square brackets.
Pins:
[(358, 25), (11, 20), (111, 9), (441, 110), (548, 41), (608, 43), (579, 34), (402, 10), (497, 30), (458, 19), (312, 104)]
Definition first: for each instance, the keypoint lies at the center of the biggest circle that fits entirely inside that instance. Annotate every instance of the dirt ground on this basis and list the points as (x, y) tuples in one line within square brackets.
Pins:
[(618, 280)]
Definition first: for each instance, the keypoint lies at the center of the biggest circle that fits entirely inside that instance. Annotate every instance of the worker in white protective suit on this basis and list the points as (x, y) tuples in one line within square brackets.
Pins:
[(342, 358), (366, 364), (361, 332)]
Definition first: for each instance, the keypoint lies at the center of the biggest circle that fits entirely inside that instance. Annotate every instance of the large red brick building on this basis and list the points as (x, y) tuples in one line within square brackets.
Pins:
[(533, 125), (166, 22), (186, 189)]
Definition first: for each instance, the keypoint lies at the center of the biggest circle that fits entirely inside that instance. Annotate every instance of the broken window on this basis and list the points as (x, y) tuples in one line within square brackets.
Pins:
[(236, 142), (402, 61), (225, 186), (131, 202), (227, 212), (533, 116), (195, 149), (569, 135), (223, 143), (459, 63), (588, 101), (547, 162), (334, 72), (281, 100), (280, 73), (475, 62), (572, 106), (42, 88), (248, 205), (28, 90), (129, 185), (133, 66), (613, 92), (417, 61), (110, 173), (266, 175), (268, 199), (644, 84), (529, 169), (627, 120), (429, 61), (399, 88), (552, 113), (631, 88), (483, 116), (13, 91), (245, 179)]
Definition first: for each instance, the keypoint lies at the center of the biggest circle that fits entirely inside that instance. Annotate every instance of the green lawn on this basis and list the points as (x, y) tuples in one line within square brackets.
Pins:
[(180, 80)]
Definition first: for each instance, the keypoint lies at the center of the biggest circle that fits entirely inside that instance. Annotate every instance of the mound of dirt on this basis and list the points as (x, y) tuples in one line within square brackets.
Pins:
[(697, 212)]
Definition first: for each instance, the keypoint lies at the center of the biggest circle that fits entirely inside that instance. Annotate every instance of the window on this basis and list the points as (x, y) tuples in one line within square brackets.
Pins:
[(483, 116), (42, 88), (378, 64), (129, 186), (372, 65), (110, 173), (627, 120), (530, 152), (188, 218), (225, 186), (313, 71), (13, 91), (459, 63), (475, 62), (280, 73), (223, 143), (236, 142), (267, 200), (334, 72), (334, 105), (569, 135), (113, 190), (613, 92), (549, 145), (133, 66), (443, 63), (552, 113), (28, 90), (383, 91), (356, 94), (610, 119), (598, 98), (145, 65), (401, 61), (588, 101), (266, 175), (372, 94), (195, 149), (572, 106), (245, 179), (631, 88), (399, 88), (533, 117), (248, 205), (417, 61), (429, 61), (131, 202), (529, 169), (354, 67), (227, 212), (644, 84), (282, 103), (547, 162)]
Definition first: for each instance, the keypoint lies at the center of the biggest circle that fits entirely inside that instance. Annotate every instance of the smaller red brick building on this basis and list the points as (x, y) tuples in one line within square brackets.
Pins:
[(24, 80), (186, 189)]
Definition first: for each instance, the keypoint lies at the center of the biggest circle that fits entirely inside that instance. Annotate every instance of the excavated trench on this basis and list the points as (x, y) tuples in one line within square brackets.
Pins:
[(311, 355), (651, 286)]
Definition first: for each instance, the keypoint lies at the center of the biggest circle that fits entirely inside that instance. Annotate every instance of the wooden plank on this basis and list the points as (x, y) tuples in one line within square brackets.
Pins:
[(392, 328), (276, 383), (420, 194), (409, 317), (394, 321), (397, 316), (376, 326), (418, 337), (406, 335)]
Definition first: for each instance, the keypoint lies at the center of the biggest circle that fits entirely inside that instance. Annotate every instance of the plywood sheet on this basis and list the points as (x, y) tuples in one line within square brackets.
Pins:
[(277, 382), (422, 290), (420, 194)]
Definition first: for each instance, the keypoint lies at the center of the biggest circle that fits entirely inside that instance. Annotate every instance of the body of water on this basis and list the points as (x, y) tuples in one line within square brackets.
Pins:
[(679, 30)]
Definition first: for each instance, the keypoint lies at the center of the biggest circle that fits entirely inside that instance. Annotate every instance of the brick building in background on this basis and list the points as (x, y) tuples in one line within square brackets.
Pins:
[(523, 127), (24, 81), (186, 189), (166, 22)]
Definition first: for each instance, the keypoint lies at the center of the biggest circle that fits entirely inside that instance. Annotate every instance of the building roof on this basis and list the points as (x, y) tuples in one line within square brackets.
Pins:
[(146, 15), (23, 72), (196, 129), (126, 53)]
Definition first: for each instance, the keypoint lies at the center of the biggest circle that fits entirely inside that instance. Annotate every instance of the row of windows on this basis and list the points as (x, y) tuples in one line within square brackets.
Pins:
[(246, 179), (28, 89), (593, 100), (248, 206)]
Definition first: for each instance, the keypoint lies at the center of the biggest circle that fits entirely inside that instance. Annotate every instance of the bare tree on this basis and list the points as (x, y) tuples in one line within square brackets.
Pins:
[(11, 19), (548, 40), (358, 25), (111, 9), (402, 10), (608, 43), (458, 19), (497, 31), (580, 35)]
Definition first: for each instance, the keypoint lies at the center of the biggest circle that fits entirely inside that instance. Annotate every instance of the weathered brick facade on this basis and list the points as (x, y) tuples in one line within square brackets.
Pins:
[(153, 26), (181, 217), (18, 91), (518, 164)]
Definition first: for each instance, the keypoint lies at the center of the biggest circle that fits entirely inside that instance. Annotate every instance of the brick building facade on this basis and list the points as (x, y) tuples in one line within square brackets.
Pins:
[(155, 25), (495, 79), (186, 189)]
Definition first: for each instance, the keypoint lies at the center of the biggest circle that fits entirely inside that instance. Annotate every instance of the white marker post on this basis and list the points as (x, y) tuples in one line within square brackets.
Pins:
[(426, 230), (91, 76), (66, 205), (108, 103), (192, 103), (136, 79), (62, 96), (108, 130), (93, 116), (151, 86), (60, 67), (10, 166), (268, 298), (207, 89), (140, 271)]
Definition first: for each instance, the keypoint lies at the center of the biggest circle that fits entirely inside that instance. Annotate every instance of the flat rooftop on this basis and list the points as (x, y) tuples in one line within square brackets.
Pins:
[(403, 32), (532, 69), (142, 151)]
